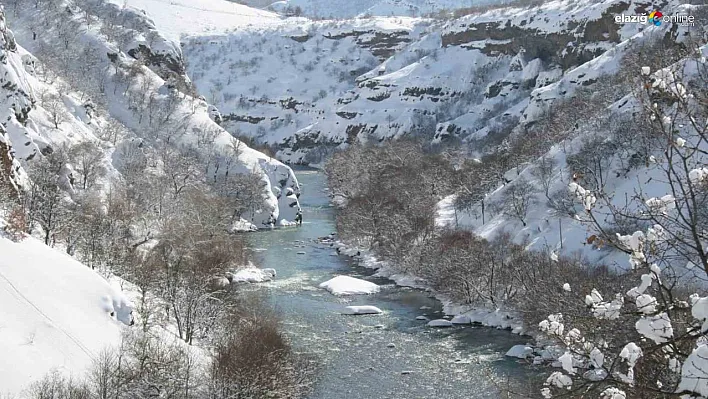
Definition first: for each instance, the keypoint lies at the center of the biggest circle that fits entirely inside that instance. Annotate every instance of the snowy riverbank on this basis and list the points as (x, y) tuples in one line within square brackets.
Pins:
[(540, 351), (463, 314)]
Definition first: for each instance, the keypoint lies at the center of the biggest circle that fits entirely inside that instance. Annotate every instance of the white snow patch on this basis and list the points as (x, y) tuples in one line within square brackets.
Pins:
[(461, 319), (252, 275), (56, 313), (345, 285), (365, 309)]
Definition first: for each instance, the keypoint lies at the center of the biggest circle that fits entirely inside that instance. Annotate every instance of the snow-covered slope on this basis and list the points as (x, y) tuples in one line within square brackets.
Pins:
[(350, 9), (307, 87), (175, 18), (57, 314), (284, 86), (630, 177), (113, 43)]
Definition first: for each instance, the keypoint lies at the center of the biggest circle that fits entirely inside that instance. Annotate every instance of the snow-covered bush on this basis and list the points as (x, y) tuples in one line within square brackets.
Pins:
[(650, 337)]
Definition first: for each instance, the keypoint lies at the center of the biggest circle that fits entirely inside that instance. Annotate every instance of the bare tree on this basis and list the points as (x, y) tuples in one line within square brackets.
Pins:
[(112, 131), (545, 172), (57, 111), (87, 158), (46, 200), (518, 197), (180, 168)]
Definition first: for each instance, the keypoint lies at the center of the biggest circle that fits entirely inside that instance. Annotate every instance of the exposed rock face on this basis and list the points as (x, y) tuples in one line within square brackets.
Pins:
[(8, 169), (381, 44), (156, 52), (15, 106), (555, 47), (165, 64)]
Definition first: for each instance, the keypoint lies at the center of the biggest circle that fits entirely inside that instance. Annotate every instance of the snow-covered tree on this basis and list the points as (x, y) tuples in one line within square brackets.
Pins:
[(649, 341)]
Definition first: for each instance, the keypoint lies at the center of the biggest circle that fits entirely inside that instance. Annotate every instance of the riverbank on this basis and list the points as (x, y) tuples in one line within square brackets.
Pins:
[(466, 314), (388, 355)]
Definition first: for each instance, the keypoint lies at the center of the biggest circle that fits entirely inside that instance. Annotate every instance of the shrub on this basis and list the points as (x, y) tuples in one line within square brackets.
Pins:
[(16, 224), (57, 386), (253, 359)]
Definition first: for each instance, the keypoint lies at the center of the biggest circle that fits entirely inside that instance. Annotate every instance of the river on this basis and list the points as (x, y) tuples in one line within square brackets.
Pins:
[(392, 355)]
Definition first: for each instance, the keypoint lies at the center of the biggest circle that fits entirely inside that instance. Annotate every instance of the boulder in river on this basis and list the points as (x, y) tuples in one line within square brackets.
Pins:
[(345, 285), (365, 309), (520, 351), (461, 319), (440, 323)]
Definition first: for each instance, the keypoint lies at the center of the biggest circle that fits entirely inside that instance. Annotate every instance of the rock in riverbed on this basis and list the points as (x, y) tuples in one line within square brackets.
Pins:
[(366, 309), (440, 323)]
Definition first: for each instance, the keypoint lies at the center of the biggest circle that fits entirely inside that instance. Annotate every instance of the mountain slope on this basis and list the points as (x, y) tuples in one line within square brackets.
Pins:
[(57, 314), (350, 9), (304, 88), (177, 18), (131, 73)]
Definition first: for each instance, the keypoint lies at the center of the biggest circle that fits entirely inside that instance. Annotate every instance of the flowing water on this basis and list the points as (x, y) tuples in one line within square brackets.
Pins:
[(392, 355)]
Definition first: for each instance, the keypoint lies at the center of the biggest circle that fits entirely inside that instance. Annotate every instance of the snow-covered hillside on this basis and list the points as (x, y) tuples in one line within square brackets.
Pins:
[(57, 314), (174, 18), (284, 86), (200, 78), (47, 118), (627, 175), (305, 88), (350, 9)]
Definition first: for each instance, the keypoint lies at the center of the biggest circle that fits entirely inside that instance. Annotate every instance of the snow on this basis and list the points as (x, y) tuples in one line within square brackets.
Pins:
[(694, 372), (609, 310), (658, 328), (597, 358), (346, 285), (350, 9), (698, 176), (566, 362), (647, 280), (601, 309), (243, 225), (177, 18), (56, 313), (520, 351), (646, 304), (365, 309), (699, 310), (440, 323), (559, 380), (461, 319), (552, 325), (631, 354), (487, 317), (251, 275), (29, 139), (613, 393)]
